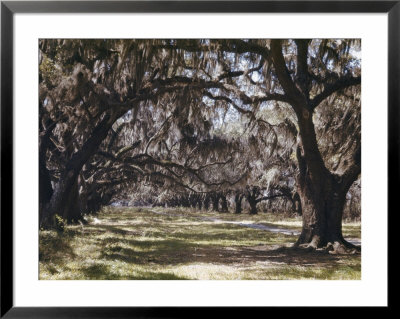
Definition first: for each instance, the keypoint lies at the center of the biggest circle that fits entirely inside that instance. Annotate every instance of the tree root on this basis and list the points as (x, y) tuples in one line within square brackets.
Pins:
[(339, 247), (342, 248)]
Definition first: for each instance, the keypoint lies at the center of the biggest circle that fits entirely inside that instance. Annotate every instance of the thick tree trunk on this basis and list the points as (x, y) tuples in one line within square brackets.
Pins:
[(207, 202), (91, 199), (62, 202), (45, 187), (64, 188), (322, 212), (224, 204), (93, 203), (238, 203), (184, 201), (215, 201), (296, 200), (322, 215), (322, 195), (72, 212), (253, 205)]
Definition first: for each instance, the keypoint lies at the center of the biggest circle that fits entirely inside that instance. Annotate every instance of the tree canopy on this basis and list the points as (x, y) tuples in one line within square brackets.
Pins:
[(174, 122)]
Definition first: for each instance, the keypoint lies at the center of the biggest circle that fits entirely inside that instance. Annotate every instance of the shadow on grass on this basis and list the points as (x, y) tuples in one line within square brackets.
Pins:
[(176, 252), (141, 252), (137, 251), (55, 247), (186, 246), (102, 272), (116, 230), (290, 256)]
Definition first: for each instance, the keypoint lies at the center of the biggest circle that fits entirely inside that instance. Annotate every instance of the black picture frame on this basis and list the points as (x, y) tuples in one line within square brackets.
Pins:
[(9, 8)]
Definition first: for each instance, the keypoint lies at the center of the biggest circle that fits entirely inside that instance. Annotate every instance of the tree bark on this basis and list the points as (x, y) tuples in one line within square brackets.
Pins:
[(215, 201), (296, 200), (45, 187), (72, 212), (206, 202), (322, 193), (199, 203), (64, 188), (238, 203), (253, 205), (224, 204)]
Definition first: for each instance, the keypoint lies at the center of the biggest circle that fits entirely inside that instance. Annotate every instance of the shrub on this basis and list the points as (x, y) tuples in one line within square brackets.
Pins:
[(59, 223)]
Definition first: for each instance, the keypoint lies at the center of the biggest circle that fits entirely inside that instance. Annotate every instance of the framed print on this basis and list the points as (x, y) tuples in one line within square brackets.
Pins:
[(160, 158)]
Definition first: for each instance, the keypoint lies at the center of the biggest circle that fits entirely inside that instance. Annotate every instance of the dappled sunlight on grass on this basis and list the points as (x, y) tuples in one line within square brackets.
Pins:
[(137, 243)]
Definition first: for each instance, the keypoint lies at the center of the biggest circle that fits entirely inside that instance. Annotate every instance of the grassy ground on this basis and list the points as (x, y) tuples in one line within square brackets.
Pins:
[(137, 243)]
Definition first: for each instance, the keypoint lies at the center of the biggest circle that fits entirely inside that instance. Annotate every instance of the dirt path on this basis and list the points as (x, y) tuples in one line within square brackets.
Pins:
[(285, 231)]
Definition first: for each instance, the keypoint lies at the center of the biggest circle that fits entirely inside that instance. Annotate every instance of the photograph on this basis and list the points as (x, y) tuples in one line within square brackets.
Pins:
[(199, 159)]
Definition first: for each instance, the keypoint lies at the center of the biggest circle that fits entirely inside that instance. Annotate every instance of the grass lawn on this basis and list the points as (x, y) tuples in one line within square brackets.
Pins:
[(142, 243)]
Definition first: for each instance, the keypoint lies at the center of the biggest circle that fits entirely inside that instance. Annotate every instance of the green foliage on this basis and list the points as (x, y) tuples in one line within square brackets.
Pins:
[(59, 223), (48, 72)]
